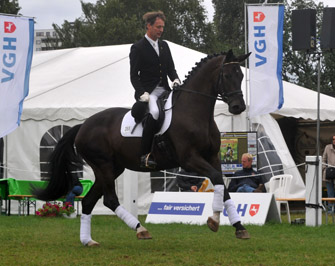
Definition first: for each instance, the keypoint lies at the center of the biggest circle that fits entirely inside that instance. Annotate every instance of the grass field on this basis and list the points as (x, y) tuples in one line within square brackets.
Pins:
[(34, 240)]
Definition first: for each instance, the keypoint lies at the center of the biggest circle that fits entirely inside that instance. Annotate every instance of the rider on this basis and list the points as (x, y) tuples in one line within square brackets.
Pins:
[(150, 64)]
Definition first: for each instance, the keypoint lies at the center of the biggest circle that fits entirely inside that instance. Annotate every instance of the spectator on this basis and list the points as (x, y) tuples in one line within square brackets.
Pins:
[(187, 183), (253, 183), (328, 157)]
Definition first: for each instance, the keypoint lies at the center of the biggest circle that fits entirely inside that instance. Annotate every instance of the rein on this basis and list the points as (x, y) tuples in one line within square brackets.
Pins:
[(200, 93)]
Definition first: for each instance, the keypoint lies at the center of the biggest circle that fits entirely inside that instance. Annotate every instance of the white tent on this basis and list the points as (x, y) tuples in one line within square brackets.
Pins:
[(67, 86)]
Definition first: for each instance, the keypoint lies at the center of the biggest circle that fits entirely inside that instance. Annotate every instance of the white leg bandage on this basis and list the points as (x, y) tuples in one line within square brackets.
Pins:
[(232, 212), (125, 216), (218, 198), (85, 229)]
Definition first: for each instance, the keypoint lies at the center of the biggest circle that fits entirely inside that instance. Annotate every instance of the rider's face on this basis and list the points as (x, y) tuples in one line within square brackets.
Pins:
[(155, 31)]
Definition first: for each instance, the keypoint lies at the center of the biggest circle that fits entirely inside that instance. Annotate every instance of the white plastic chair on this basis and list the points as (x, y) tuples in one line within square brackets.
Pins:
[(279, 185)]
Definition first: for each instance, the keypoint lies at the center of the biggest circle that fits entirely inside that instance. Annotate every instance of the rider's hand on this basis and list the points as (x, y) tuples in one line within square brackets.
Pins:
[(176, 83), (145, 97)]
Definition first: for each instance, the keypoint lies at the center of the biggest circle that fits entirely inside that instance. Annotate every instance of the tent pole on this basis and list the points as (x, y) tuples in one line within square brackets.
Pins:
[(318, 135), (246, 68)]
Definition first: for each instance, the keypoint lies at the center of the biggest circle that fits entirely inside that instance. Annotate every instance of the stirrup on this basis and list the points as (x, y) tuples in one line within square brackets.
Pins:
[(147, 162)]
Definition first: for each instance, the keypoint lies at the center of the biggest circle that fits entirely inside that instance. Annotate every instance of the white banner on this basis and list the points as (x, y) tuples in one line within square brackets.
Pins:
[(16, 50), (195, 207), (265, 42)]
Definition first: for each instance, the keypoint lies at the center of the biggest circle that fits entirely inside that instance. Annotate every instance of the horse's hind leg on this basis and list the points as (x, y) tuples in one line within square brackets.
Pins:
[(111, 201), (88, 204)]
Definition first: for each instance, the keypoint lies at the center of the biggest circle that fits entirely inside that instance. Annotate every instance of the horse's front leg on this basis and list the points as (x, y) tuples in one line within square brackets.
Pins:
[(221, 198), (233, 216)]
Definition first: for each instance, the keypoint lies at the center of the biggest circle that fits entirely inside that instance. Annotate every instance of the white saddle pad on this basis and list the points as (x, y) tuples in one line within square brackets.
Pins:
[(128, 122)]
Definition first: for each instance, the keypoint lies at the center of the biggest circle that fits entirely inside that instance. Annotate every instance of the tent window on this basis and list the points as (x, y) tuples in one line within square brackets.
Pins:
[(1, 158), (47, 145), (161, 181), (268, 160)]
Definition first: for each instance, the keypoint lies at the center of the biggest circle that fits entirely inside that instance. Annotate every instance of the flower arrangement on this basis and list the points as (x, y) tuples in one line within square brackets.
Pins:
[(54, 210)]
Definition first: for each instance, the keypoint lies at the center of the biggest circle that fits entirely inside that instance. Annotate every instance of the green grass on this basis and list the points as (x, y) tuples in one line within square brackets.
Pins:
[(34, 240)]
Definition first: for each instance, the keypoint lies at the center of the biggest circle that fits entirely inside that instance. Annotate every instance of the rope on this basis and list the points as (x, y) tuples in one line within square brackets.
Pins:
[(234, 177), (176, 174), (327, 165)]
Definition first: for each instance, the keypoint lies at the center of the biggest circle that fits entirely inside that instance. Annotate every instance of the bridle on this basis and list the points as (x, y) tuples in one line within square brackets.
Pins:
[(224, 96)]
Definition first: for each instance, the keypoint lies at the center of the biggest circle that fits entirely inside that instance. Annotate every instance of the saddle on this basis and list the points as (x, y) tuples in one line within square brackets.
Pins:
[(132, 128)]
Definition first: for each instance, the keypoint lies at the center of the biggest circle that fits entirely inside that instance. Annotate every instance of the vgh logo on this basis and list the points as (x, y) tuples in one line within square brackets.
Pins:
[(253, 209), (259, 16), (9, 27)]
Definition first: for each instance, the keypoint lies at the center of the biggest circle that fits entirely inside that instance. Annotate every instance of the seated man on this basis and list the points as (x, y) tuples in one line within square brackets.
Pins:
[(246, 184), (186, 183)]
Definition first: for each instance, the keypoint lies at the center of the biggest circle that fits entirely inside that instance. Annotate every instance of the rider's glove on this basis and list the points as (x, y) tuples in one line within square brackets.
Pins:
[(145, 97), (176, 83)]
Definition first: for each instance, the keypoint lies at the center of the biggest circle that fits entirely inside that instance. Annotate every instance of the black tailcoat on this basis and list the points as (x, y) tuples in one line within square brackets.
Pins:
[(147, 69)]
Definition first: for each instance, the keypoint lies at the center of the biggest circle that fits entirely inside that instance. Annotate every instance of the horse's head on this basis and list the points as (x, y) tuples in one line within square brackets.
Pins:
[(229, 82)]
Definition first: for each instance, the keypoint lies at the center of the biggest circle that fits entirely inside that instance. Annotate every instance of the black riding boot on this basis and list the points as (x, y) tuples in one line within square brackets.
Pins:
[(149, 131)]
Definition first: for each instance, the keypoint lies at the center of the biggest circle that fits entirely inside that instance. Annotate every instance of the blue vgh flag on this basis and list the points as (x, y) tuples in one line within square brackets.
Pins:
[(16, 50)]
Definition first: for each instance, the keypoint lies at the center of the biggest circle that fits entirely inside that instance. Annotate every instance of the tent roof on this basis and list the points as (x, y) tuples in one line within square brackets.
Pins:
[(79, 82)]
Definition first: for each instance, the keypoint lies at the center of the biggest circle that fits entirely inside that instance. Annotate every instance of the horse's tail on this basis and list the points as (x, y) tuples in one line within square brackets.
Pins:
[(61, 163)]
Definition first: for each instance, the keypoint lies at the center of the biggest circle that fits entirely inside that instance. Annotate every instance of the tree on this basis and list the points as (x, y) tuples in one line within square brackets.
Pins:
[(186, 24), (110, 22), (301, 67), (9, 7)]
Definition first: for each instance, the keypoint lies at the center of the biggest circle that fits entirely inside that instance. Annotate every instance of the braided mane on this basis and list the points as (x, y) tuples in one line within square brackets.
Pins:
[(199, 65)]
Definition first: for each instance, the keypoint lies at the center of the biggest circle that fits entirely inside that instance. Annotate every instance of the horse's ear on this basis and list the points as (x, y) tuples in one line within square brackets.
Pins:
[(229, 56), (241, 58)]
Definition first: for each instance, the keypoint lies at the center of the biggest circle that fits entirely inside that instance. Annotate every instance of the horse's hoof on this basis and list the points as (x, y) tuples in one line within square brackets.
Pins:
[(93, 243), (212, 224), (242, 234), (143, 235)]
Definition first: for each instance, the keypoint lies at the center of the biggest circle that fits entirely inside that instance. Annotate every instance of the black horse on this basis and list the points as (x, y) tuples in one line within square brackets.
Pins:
[(193, 137)]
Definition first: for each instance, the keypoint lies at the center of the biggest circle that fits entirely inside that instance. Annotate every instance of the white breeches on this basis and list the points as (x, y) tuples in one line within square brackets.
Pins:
[(153, 108)]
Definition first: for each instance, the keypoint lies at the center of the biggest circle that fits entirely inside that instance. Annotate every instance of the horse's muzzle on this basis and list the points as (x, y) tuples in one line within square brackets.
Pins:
[(237, 106)]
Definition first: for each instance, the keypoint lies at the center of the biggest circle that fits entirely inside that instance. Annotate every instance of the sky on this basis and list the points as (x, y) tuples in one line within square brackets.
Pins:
[(47, 12)]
